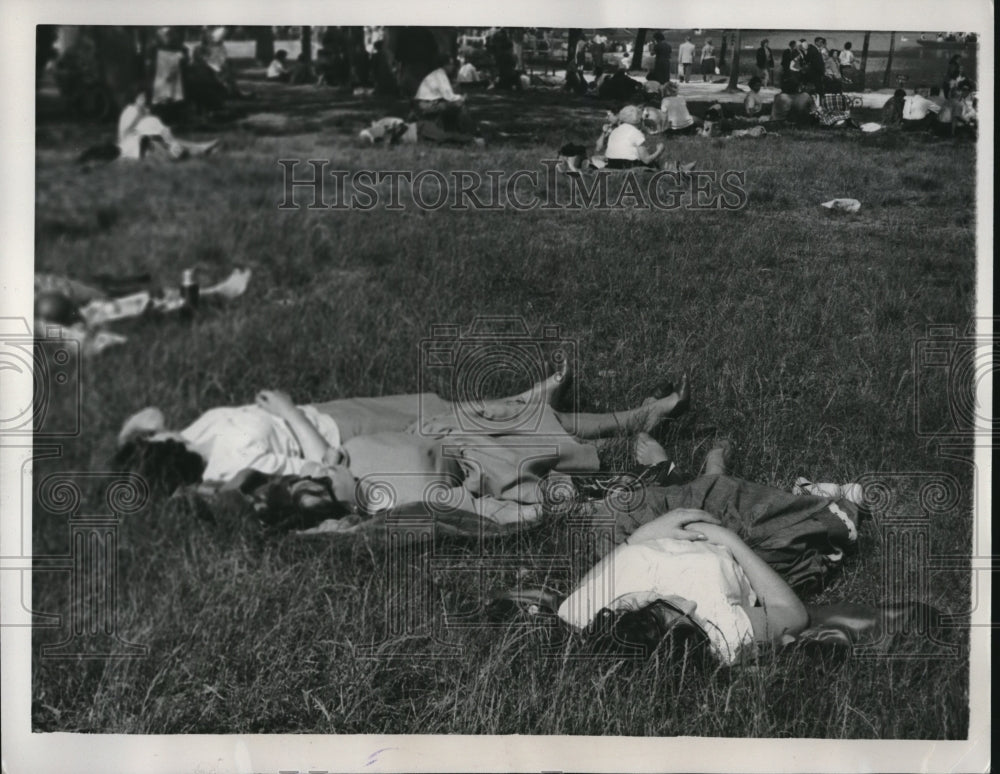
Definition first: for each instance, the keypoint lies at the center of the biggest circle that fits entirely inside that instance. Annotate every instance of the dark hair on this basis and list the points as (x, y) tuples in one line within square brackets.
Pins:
[(755, 81), (281, 54), (847, 46), (641, 631), (899, 94), (657, 36), (165, 465), (793, 43)]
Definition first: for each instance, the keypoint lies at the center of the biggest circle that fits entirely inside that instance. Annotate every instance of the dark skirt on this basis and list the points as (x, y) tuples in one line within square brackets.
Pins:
[(708, 66)]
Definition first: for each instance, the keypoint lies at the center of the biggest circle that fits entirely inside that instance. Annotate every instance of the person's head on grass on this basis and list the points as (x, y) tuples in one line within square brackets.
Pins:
[(164, 463), (660, 626), (167, 460)]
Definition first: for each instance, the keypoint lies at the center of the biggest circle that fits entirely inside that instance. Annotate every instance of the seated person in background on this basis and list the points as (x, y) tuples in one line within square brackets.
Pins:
[(675, 114), (753, 105), (618, 87), (435, 97), (958, 114), (140, 132), (277, 70), (935, 96), (627, 144), (892, 110), (302, 72), (468, 75), (919, 112)]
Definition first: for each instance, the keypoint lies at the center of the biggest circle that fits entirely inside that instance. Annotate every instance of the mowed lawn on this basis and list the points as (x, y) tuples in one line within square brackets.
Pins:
[(797, 325)]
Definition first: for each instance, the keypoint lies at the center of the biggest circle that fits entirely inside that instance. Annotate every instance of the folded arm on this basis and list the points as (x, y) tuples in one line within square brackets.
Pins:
[(781, 611)]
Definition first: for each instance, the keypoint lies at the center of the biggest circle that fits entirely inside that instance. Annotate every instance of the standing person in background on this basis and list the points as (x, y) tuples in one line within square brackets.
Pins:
[(581, 53), (661, 59), (814, 67), (685, 60), (765, 63), (707, 61), (791, 67), (847, 70), (597, 48)]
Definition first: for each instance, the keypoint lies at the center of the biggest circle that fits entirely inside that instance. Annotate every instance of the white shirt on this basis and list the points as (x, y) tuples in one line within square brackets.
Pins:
[(467, 73), (435, 86), (624, 142), (676, 109), (916, 107), (233, 439), (846, 58), (640, 573), (276, 69), (685, 52)]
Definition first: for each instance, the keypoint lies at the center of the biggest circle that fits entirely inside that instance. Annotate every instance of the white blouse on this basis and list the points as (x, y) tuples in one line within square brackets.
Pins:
[(233, 439), (637, 574)]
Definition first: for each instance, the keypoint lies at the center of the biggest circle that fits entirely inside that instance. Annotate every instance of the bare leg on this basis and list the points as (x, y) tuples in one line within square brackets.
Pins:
[(648, 451), (646, 417), (719, 459), (548, 390)]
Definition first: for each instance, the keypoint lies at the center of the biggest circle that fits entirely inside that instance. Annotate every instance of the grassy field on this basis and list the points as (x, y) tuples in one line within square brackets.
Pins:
[(797, 324)]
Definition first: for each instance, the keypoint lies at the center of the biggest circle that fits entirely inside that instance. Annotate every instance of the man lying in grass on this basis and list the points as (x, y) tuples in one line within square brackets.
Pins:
[(486, 459)]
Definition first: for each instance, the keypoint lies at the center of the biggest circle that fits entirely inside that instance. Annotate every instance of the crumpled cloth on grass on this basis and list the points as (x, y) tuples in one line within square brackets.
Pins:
[(842, 205)]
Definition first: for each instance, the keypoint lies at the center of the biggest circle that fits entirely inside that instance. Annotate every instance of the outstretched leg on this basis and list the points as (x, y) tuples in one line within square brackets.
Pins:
[(647, 417)]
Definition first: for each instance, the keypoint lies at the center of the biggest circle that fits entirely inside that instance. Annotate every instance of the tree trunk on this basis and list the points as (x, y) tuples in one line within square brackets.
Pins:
[(888, 63), (263, 49), (724, 49), (640, 44), (307, 42), (864, 59), (357, 56), (734, 71)]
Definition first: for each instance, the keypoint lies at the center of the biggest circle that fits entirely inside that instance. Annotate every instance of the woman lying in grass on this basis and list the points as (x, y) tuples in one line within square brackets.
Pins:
[(686, 578), (486, 458), (709, 567)]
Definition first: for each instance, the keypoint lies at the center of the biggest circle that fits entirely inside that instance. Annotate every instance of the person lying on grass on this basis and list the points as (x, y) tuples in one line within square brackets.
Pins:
[(488, 458), (714, 567)]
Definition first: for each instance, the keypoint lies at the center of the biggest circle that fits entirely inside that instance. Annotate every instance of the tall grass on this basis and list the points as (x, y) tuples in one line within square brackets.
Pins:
[(798, 327)]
